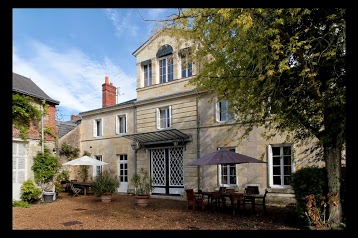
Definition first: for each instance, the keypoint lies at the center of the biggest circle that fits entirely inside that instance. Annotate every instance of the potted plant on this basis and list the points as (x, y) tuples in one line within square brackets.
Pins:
[(45, 168), (104, 184), (142, 187)]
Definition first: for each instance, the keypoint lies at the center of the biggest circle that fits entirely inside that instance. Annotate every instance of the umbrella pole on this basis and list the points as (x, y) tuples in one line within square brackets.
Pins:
[(217, 175)]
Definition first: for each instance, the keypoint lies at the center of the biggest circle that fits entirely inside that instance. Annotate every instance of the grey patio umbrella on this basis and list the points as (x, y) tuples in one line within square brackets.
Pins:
[(85, 160), (225, 157)]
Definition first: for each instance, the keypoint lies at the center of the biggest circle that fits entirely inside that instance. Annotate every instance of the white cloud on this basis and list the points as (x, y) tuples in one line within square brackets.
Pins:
[(71, 77), (123, 22), (157, 13)]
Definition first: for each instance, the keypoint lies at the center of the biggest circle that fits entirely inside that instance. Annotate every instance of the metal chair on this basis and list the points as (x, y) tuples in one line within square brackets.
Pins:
[(75, 190), (261, 201)]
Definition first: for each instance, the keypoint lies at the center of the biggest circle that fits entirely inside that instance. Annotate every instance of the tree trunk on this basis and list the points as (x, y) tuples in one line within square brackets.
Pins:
[(334, 174)]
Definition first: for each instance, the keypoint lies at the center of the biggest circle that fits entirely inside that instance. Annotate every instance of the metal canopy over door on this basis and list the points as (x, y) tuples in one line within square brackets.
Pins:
[(167, 170)]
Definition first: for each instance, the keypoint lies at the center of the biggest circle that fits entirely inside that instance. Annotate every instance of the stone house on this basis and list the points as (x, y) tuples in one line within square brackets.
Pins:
[(23, 152), (170, 124)]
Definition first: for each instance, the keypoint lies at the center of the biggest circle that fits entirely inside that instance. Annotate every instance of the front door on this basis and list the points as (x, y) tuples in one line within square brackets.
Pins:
[(167, 171), (123, 173)]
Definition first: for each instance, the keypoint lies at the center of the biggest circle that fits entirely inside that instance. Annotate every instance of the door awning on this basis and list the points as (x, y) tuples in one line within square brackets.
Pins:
[(159, 137)]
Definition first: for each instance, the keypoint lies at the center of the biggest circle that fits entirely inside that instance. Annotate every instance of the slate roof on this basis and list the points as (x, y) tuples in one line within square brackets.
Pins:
[(63, 127), (26, 86)]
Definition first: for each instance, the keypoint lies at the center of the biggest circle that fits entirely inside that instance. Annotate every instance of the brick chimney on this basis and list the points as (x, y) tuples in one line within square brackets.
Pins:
[(75, 118), (108, 94)]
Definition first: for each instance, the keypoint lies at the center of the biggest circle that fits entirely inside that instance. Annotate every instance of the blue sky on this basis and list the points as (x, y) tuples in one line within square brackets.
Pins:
[(69, 52)]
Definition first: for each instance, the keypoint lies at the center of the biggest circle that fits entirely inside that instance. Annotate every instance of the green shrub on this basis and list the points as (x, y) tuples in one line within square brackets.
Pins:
[(45, 168), (29, 192), (142, 183), (20, 204), (64, 175), (69, 151), (306, 181), (105, 182)]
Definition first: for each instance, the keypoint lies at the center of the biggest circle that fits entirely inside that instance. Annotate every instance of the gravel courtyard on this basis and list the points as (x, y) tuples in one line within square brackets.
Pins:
[(88, 213)]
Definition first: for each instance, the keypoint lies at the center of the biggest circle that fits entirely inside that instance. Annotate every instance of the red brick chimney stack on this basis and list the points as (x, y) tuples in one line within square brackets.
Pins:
[(75, 118), (108, 94)]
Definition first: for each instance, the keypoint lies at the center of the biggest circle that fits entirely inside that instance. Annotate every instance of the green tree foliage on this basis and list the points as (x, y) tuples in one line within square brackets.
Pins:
[(45, 168), (283, 69), (24, 113)]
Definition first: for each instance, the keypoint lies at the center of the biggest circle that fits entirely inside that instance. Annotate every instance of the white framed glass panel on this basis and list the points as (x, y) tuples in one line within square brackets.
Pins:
[(164, 117), (228, 172), (147, 69), (223, 111), (97, 169), (280, 165), (121, 124), (186, 67), (97, 127), (166, 70)]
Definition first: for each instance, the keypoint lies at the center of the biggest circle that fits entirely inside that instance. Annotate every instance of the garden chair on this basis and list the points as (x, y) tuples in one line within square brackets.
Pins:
[(261, 201), (193, 200), (75, 190)]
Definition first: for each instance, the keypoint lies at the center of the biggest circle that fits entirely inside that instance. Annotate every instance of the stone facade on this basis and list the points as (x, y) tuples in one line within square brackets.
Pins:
[(192, 113)]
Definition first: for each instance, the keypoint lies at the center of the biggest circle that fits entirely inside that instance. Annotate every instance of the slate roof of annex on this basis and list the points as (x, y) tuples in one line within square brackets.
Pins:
[(26, 86)]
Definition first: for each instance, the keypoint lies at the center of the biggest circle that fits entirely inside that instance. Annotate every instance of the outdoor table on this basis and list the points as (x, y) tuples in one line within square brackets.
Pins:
[(209, 196), (85, 185)]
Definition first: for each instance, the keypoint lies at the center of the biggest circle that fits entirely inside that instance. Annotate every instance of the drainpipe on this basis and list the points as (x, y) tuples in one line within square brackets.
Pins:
[(42, 125), (197, 136), (135, 131)]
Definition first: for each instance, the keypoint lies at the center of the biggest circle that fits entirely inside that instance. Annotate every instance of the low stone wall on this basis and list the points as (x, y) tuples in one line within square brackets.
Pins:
[(280, 197)]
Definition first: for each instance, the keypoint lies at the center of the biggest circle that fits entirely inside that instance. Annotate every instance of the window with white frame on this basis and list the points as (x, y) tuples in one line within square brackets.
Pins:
[(147, 70), (164, 117), (186, 67), (166, 69), (280, 165), (222, 113), (227, 172), (98, 169), (121, 124), (97, 127)]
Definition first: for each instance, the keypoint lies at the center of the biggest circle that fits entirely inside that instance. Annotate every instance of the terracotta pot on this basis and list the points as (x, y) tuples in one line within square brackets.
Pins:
[(142, 200), (320, 228), (106, 197)]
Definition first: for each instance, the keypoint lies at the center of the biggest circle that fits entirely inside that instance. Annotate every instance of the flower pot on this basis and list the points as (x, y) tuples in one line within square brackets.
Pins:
[(48, 196), (106, 197), (142, 200)]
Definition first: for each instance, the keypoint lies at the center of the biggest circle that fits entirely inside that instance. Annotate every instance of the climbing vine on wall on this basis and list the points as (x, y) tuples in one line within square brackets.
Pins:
[(69, 151), (24, 112)]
